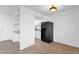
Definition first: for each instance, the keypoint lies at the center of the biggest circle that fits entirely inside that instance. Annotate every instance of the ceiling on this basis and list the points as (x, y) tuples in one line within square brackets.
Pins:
[(44, 9), (8, 9)]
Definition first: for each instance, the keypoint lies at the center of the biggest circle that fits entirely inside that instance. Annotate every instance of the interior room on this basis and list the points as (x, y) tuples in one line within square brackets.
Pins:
[(39, 29)]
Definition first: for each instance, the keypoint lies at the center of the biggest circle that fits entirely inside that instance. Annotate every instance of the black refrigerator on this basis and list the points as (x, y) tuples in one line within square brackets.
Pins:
[(47, 32)]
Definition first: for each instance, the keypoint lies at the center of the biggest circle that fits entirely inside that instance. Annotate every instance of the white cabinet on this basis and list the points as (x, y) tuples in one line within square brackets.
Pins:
[(38, 29), (38, 35)]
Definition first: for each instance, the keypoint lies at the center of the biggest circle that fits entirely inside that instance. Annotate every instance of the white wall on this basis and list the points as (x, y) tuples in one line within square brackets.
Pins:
[(26, 27), (66, 27)]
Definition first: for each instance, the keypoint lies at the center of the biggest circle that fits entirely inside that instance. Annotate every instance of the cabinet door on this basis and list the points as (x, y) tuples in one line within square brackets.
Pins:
[(4, 31), (0, 33), (5, 27), (38, 35)]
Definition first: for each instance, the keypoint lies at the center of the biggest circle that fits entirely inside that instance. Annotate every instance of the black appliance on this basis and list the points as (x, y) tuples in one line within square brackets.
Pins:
[(47, 32)]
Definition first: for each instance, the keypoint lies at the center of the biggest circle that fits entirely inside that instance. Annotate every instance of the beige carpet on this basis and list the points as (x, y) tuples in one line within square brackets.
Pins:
[(52, 48), (9, 47)]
